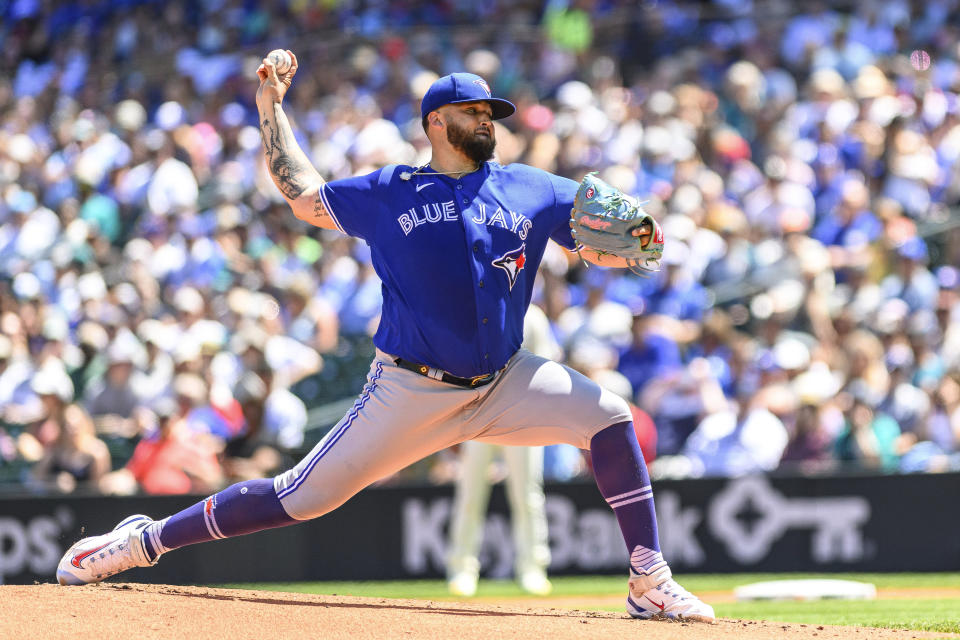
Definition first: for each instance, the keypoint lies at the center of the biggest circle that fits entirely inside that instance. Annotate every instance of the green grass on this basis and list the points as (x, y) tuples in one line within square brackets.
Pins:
[(726, 582), (940, 615)]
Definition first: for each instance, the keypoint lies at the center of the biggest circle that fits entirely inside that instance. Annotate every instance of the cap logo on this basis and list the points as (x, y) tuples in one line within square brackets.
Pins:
[(483, 85)]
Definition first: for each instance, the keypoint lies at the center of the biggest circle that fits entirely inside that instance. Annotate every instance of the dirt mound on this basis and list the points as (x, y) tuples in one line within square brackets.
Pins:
[(117, 610)]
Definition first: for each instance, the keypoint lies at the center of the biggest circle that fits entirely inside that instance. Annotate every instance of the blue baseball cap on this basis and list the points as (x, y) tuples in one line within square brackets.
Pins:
[(463, 87)]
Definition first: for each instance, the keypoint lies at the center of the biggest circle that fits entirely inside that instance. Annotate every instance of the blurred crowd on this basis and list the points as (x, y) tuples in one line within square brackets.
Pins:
[(165, 322)]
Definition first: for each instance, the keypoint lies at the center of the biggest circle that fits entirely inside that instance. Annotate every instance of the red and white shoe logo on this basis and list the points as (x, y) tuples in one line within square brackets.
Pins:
[(80, 557)]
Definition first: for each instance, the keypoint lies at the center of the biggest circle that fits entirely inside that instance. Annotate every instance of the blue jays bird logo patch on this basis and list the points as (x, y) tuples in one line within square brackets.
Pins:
[(483, 85), (512, 263)]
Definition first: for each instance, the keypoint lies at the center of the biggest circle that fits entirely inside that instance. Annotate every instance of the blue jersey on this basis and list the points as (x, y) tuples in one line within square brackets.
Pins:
[(457, 257)]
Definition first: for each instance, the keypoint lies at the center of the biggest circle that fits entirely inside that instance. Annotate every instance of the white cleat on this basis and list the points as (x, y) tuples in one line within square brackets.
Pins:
[(463, 584), (535, 582), (97, 558), (667, 600)]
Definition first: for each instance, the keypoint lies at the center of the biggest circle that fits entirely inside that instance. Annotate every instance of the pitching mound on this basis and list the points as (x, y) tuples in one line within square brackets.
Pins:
[(103, 612)]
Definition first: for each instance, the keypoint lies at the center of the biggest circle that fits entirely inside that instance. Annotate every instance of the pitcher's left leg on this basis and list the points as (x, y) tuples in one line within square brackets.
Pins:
[(539, 402), (623, 480)]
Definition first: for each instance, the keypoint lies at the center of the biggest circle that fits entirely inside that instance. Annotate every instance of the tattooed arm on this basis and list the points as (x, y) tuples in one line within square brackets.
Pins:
[(289, 167)]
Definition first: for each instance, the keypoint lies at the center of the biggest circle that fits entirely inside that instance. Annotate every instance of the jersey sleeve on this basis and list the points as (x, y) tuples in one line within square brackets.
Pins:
[(564, 191), (354, 203)]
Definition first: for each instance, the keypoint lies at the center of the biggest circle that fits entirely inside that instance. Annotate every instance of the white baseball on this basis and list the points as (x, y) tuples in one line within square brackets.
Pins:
[(281, 60)]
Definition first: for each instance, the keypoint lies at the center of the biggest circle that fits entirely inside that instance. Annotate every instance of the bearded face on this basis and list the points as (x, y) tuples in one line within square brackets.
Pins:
[(477, 144)]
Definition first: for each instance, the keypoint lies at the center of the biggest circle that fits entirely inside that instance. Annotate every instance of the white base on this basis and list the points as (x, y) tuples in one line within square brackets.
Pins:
[(813, 589)]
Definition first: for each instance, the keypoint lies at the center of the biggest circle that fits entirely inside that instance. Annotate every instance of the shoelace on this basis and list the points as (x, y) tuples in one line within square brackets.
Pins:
[(115, 562), (672, 588)]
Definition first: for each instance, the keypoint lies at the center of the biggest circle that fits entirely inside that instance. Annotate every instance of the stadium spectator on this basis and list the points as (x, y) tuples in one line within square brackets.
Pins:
[(45, 411), (14, 374), (112, 401), (170, 459), (77, 459), (868, 437), (251, 455), (809, 445)]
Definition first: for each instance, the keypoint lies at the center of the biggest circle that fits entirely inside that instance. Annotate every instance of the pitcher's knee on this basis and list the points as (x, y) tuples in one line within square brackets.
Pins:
[(614, 405), (308, 506), (307, 500), (614, 409)]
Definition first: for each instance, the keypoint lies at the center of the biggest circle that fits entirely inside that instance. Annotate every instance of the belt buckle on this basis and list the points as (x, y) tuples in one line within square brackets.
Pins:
[(475, 380)]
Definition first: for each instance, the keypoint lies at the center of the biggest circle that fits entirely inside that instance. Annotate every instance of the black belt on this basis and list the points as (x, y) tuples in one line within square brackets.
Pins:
[(438, 374)]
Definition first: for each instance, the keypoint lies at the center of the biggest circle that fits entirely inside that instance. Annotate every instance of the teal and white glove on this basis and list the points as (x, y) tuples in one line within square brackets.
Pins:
[(604, 218)]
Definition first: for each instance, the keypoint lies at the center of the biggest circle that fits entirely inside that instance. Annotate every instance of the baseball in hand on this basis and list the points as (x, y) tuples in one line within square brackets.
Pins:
[(281, 60), (920, 60)]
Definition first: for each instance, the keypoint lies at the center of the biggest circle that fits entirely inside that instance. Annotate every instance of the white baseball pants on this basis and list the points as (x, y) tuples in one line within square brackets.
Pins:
[(528, 518), (401, 417)]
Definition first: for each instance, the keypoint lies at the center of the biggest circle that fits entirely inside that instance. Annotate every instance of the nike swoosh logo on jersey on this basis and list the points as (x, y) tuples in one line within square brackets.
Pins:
[(77, 559), (422, 186)]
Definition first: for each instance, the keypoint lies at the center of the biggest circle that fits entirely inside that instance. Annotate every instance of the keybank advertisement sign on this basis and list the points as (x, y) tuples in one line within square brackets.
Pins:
[(746, 518), (880, 523), (743, 524)]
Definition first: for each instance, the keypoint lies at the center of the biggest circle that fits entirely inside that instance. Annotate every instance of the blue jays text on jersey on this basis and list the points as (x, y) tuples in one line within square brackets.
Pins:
[(447, 211), (457, 257)]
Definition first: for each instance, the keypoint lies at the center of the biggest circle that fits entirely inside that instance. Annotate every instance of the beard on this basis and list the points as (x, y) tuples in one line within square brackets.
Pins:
[(478, 148)]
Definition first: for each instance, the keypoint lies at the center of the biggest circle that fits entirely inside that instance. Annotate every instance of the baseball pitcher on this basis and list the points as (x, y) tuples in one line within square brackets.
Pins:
[(456, 244)]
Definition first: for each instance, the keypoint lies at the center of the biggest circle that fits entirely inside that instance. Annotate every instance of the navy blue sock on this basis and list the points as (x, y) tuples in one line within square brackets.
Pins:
[(623, 480), (245, 507)]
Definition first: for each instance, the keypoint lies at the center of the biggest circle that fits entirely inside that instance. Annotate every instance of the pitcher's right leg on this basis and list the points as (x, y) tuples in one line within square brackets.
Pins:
[(399, 418), (138, 541)]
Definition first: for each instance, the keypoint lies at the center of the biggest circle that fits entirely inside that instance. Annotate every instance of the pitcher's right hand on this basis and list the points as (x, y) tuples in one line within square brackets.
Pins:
[(274, 87)]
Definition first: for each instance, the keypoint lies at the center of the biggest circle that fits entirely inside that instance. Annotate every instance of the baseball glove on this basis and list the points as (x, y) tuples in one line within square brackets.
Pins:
[(603, 219)]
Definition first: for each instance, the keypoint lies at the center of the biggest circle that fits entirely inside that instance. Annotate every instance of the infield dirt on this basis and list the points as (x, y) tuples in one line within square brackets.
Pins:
[(118, 610)]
